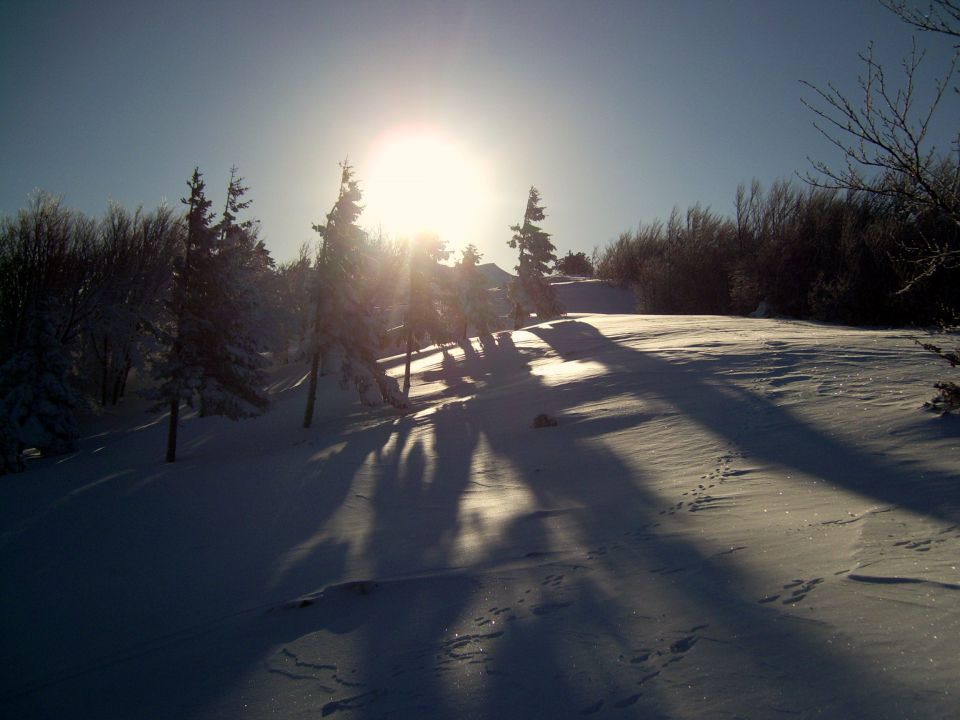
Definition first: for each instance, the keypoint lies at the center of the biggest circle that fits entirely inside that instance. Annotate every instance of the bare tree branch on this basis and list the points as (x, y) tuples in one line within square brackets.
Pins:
[(887, 133), (941, 16)]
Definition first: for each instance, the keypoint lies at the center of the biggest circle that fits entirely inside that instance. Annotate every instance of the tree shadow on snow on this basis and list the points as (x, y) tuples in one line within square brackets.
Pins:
[(428, 651), (409, 640), (150, 643), (783, 439)]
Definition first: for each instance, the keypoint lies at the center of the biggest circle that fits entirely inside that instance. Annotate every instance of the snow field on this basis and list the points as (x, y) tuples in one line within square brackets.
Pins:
[(732, 518)]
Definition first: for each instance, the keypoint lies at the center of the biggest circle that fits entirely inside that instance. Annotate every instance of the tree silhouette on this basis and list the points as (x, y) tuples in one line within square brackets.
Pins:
[(346, 332), (469, 299), (423, 319), (884, 137), (530, 291), (181, 374)]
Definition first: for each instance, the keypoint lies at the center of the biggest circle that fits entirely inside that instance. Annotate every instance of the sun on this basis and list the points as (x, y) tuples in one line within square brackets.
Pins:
[(420, 179)]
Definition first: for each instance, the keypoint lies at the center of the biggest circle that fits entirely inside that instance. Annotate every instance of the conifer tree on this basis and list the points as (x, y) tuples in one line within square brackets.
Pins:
[(423, 319), (530, 291), (346, 332), (469, 299), (294, 304), (181, 373), (36, 398), (233, 378), (213, 351)]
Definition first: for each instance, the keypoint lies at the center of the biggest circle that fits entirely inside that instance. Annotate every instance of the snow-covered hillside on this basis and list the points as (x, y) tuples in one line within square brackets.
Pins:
[(730, 518)]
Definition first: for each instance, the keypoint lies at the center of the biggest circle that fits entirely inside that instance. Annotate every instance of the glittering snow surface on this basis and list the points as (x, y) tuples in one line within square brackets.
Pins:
[(730, 518)]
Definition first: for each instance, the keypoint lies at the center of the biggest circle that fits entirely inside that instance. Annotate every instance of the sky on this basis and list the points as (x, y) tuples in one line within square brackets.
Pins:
[(448, 111)]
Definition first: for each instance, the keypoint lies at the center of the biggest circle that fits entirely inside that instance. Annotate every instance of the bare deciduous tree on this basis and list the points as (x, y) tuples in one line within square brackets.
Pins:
[(941, 16), (885, 135)]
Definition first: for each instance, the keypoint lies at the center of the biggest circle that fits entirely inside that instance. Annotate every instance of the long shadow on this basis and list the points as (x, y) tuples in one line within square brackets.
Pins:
[(260, 536), (412, 662), (408, 664), (557, 466), (790, 441)]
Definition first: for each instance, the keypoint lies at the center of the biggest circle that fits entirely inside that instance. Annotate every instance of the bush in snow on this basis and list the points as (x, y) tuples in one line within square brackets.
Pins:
[(576, 264), (947, 400)]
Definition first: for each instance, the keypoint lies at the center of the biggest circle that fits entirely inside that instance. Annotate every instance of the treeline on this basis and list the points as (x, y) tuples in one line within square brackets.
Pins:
[(79, 297), (193, 305), (856, 258)]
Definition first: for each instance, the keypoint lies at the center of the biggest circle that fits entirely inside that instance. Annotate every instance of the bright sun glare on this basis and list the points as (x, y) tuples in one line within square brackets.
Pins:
[(420, 179)]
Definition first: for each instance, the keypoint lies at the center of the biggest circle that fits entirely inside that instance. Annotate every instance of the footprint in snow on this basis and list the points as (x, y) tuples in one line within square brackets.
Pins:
[(801, 590)]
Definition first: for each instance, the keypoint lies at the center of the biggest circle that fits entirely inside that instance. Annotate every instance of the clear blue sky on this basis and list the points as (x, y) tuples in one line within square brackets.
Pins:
[(616, 111)]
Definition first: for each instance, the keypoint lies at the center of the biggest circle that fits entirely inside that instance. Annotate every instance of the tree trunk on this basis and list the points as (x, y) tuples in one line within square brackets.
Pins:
[(406, 371), (312, 390), (105, 373), (172, 430), (120, 385)]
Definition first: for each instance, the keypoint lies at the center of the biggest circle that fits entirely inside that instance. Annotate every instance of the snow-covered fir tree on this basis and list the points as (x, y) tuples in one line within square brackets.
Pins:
[(530, 291), (180, 373), (469, 299), (346, 332), (293, 305), (212, 352), (233, 379), (37, 400), (423, 320)]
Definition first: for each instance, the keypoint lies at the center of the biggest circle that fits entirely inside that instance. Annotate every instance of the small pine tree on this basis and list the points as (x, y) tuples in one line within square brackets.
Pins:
[(578, 265), (469, 299), (530, 291), (423, 319), (293, 304), (37, 401)]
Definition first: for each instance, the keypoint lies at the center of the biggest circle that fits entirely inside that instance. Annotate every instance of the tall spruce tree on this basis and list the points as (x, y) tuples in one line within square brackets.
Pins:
[(346, 332), (212, 354), (233, 377), (181, 372), (530, 291)]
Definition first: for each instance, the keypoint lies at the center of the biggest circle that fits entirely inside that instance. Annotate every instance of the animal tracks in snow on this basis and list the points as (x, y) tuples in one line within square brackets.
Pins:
[(700, 497), (793, 592), (548, 609), (648, 664)]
